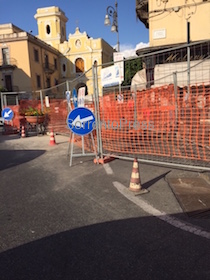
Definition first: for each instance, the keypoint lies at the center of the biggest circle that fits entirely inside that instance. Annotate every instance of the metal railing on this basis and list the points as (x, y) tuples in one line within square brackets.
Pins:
[(48, 68), (11, 62)]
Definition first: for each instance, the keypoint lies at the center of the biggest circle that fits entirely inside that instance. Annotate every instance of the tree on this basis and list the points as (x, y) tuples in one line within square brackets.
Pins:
[(2, 89), (132, 66)]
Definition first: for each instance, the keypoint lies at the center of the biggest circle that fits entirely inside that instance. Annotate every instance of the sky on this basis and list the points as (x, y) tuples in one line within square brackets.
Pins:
[(88, 15)]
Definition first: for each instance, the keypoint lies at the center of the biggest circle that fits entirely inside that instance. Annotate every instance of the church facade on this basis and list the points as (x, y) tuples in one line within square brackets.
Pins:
[(50, 57)]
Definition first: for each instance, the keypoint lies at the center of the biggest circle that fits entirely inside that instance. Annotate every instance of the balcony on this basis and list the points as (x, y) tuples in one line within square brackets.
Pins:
[(142, 11), (48, 68), (10, 63)]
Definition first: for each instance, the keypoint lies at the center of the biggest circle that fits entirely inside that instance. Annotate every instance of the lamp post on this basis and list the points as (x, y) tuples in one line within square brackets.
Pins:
[(112, 12), (188, 57)]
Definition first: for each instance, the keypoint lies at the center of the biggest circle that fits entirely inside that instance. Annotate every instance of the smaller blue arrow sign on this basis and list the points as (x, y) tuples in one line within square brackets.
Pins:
[(7, 114), (81, 121), (74, 94)]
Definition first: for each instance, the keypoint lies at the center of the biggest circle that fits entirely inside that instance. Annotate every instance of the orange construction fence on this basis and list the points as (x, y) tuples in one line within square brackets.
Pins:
[(162, 124), (158, 124)]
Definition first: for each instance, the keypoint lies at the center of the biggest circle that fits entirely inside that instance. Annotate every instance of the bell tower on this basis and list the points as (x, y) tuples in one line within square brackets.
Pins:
[(51, 23)]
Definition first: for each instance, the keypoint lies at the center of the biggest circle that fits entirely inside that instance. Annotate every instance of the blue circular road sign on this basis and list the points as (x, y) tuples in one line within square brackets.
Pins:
[(81, 121), (7, 114)]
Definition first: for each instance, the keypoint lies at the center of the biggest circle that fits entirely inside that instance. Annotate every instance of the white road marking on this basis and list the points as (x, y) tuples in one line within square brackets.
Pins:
[(108, 169), (159, 214), (202, 202)]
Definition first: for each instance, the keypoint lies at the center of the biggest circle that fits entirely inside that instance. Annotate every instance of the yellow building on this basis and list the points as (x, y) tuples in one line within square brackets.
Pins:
[(167, 20), (79, 53), (26, 63), (174, 24), (51, 23), (29, 63)]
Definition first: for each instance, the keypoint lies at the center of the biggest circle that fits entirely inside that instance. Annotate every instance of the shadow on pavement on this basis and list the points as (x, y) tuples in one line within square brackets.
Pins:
[(138, 248), (153, 181), (10, 158), (4, 138)]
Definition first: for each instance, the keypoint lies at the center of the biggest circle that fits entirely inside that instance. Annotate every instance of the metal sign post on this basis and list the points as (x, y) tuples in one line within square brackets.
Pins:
[(81, 121)]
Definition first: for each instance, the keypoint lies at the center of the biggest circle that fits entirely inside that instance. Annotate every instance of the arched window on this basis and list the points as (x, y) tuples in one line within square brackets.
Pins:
[(79, 64), (48, 29)]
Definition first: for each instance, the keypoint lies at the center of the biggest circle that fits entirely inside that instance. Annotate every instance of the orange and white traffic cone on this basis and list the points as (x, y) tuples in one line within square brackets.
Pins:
[(52, 139), (135, 184), (23, 134)]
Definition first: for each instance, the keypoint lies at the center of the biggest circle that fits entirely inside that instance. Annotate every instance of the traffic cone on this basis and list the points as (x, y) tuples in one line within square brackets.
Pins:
[(135, 185), (52, 138), (23, 135)]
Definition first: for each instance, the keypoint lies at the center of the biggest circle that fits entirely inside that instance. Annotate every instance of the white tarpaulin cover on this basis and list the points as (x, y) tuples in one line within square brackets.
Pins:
[(139, 80), (199, 73), (163, 74)]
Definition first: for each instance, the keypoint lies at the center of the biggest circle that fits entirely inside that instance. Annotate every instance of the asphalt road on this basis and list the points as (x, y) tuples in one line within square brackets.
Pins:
[(80, 222)]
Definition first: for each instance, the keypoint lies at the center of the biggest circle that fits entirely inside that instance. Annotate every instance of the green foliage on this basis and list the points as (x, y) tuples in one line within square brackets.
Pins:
[(30, 111), (2, 89), (132, 66)]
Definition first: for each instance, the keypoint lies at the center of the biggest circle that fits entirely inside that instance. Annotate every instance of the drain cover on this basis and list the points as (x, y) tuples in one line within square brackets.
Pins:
[(193, 195)]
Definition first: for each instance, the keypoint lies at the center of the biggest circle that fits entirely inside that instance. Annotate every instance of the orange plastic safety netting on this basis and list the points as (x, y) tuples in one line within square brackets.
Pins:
[(158, 124)]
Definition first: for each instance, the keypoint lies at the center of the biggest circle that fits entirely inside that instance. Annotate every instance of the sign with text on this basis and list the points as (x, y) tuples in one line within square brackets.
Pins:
[(81, 121), (119, 60), (81, 97), (120, 98), (110, 76)]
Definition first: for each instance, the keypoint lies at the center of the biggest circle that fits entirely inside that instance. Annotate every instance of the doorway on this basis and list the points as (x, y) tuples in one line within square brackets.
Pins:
[(8, 82)]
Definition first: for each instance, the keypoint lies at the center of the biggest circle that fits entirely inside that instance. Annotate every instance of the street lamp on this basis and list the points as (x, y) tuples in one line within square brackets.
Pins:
[(112, 12)]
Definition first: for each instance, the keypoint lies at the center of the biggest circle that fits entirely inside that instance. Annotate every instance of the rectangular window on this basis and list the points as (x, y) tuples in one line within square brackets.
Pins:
[(46, 61), (36, 55), (38, 81), (8, 82), (55, 63), (56, 82), (48, 82)]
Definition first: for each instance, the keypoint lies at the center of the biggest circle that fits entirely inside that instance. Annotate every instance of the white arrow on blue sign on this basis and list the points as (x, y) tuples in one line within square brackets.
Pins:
[(81, 121), (7, 114)]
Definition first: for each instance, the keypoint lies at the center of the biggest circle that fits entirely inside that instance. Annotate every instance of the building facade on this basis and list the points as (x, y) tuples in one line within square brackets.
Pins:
[(29, 63), (26, 64), (78, 54), (167, 20), (173, 24)]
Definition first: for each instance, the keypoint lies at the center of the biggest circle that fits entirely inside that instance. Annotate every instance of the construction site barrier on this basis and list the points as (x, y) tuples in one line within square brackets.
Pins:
[(165, 124), (159, 124)]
